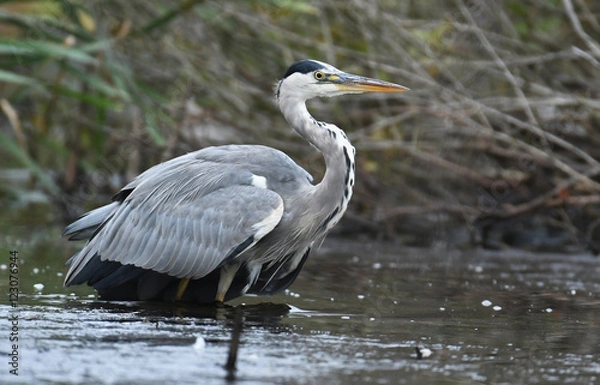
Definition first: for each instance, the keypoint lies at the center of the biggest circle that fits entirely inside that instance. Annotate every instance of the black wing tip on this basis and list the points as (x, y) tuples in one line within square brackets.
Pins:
[(71, 228), (68, 230)]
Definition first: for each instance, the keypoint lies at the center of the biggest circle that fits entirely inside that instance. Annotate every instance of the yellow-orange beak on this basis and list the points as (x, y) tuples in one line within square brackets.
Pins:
[(355, 83)]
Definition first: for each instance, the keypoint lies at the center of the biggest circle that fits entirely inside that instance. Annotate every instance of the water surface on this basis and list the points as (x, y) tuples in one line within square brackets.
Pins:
[(354, 316)]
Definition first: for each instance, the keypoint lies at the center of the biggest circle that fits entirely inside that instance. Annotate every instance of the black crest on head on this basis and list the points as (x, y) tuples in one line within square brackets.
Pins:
[(303, 67)]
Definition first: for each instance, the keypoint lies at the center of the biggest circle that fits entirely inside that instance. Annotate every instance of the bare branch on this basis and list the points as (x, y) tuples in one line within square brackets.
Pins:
[(592, 45)]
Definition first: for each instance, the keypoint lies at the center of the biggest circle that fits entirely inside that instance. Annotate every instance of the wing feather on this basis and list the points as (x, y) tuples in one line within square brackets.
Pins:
[(185, 216), (180, 260), (86, 225), (112, 239), (147, 240), (189, 240), (158, 244)]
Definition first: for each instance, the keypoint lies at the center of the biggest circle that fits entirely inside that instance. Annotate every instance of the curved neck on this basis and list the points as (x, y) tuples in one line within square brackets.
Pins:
[(335, 190), (297, 115)]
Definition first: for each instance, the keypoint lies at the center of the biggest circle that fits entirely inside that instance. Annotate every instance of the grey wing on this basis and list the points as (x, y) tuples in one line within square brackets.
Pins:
[(219, 166), (184, 231), (85, 227), (275, 165)]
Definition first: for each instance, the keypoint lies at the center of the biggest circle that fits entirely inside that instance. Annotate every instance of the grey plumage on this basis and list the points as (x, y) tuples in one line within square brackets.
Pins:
[(230, 219)]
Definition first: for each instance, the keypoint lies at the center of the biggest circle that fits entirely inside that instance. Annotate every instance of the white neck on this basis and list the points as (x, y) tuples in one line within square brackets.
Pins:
[(335, 190)]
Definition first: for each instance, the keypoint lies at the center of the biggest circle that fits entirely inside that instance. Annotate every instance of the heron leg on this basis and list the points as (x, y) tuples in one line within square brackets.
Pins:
[(227, 275), (181, 288)]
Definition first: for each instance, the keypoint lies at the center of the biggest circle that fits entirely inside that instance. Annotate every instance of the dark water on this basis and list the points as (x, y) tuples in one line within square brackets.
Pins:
[(354, 316)]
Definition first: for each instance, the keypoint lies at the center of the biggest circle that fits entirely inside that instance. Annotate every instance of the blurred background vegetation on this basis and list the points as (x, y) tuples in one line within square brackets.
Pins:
[(497, 144)]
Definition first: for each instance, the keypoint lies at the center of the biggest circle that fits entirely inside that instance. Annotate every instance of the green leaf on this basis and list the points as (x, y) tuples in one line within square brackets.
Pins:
[(11, 77), (20, 155), (153, 130), (96, 100), (97, 46), (44, 49), (99, 84), (152, 93)]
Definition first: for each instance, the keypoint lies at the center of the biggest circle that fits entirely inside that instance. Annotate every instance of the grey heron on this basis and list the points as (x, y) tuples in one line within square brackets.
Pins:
[(224, 221)]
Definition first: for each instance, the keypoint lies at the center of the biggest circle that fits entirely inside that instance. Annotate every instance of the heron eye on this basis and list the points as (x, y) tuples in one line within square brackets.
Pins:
[(319, 75)]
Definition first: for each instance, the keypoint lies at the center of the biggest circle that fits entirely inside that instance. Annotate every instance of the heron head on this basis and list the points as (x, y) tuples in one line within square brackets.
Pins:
[(307, 79)]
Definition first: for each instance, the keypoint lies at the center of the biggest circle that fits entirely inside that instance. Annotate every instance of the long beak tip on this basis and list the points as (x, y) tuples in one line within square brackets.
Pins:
[(393, 88)]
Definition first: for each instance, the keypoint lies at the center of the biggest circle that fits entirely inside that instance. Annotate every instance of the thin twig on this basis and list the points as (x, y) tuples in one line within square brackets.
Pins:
[(592, 45), (500, 63)]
